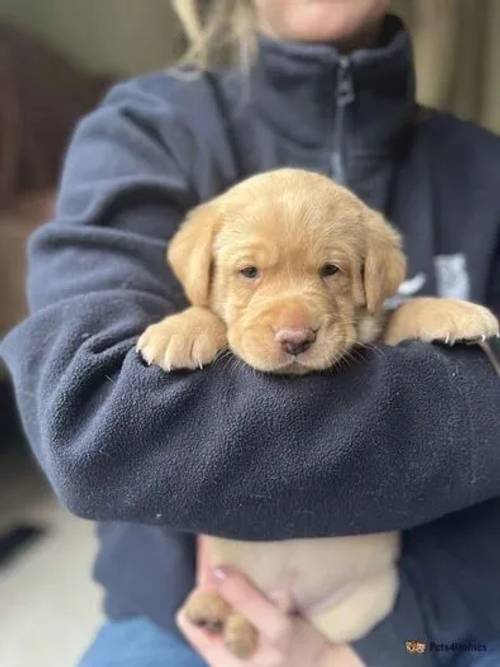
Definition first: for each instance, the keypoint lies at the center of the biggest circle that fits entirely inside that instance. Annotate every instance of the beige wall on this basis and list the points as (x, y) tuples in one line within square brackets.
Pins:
[(122, 36), (457, 55)]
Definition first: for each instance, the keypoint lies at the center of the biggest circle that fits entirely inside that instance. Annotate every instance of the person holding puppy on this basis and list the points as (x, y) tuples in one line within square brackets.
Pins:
[(406, 439)]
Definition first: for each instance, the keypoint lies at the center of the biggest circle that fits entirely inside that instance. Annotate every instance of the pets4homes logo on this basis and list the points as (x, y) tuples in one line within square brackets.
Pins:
[(417, 647), (414, 646)]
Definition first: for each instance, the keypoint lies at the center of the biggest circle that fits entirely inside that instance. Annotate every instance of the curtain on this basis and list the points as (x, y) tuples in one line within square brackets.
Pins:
[(457, 53)]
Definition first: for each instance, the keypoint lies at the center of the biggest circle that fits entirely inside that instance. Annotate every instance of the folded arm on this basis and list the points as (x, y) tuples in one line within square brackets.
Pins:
[(403, 436)]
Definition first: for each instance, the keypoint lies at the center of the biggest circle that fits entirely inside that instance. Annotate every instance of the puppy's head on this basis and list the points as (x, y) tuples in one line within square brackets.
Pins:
[(296, 266)]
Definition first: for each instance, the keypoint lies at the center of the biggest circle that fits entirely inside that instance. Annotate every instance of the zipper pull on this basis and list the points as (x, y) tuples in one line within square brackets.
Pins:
[(345, 86)]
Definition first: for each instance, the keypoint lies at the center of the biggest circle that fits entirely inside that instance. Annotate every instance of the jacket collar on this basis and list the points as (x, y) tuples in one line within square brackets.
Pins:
[(302, 89)]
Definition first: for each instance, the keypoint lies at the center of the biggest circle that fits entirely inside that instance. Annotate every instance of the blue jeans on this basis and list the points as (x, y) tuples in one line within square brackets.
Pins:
[(136, 642)]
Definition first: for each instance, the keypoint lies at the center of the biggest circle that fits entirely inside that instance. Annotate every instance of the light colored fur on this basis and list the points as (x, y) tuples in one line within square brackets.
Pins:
[(290, 223), (344, 585)]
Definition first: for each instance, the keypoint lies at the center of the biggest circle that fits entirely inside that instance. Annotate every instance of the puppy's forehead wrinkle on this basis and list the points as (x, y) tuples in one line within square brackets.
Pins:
[(291, 216)]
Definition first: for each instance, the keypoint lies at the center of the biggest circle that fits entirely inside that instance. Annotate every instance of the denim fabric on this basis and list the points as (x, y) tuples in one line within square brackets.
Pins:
[(137, 642)]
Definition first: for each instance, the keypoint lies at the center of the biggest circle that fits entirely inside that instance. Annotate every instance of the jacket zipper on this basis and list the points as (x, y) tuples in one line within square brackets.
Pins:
[(344, 95)]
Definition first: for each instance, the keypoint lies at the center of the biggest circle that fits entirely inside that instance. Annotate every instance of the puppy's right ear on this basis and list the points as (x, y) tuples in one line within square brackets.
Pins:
[(385, 263), (190, 252)]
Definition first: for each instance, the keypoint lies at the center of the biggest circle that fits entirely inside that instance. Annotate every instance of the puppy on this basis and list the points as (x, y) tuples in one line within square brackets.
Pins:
[(291, 271)]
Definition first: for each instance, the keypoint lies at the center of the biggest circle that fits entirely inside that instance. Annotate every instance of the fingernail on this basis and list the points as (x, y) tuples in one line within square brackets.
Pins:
[(220, 573), (275, 596), (281, 599)]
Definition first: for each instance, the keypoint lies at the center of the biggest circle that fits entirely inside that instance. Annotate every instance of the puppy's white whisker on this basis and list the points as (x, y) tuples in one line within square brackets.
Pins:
[(373, 348), (223, 353)]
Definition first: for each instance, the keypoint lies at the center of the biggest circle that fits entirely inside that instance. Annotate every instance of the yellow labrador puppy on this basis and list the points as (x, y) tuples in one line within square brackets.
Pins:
[(292, 271)]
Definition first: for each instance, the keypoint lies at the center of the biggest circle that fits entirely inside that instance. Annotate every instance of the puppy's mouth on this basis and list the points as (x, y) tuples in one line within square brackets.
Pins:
[(260, 351), (296, 367)]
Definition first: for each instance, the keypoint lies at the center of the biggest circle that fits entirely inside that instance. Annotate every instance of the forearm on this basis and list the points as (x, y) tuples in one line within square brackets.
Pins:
[(395, 440)]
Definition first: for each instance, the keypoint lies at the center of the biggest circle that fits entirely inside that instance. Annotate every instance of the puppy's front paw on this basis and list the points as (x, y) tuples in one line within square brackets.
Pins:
[(206, 609), (444, 320), (190, 340), (240, 636)]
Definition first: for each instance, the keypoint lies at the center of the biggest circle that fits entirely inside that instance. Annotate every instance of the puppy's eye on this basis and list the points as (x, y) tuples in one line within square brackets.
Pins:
[(328, 270), (251, 272)]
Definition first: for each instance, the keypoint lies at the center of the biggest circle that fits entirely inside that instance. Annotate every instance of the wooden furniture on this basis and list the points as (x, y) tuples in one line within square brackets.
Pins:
[(17, 222)]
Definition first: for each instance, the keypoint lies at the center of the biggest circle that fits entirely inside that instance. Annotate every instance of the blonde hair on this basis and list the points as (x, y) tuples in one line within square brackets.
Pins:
[(218, 31)]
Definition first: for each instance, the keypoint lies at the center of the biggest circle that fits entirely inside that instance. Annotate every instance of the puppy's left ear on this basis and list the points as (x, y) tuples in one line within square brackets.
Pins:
[(190, 252), (385, 263)]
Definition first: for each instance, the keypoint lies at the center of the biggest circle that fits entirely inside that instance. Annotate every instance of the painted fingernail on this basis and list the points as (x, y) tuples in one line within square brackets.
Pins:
[(275, 594), (281, 599), (220, 573)]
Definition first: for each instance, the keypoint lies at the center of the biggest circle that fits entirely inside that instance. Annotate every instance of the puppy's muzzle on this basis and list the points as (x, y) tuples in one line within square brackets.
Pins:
[(295, 341)]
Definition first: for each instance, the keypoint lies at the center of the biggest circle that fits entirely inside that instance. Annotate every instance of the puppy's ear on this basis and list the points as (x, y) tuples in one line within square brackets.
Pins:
[(190, 252), (385, 264)]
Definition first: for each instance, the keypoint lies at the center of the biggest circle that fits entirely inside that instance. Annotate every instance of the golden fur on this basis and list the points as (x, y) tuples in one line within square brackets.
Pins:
[(291, 315), (289, 224)]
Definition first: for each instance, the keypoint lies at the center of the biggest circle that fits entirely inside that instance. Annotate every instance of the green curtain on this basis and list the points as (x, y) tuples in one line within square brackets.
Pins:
[(122, 37), (457, 53)]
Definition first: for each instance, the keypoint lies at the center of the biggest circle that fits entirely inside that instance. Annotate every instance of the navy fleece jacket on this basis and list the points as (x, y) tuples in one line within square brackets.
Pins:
[(403, 437)]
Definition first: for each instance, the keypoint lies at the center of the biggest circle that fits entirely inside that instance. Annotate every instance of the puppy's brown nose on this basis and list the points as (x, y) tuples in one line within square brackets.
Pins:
[(295, 341)]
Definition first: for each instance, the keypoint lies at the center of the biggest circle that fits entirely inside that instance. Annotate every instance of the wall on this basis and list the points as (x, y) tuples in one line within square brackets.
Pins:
[(99, 34)]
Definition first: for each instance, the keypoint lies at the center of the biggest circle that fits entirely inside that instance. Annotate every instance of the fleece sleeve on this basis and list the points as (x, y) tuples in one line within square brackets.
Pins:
[(396, 439)]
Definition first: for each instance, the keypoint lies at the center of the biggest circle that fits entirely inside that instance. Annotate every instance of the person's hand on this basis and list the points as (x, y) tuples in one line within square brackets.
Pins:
[(284, 640)]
